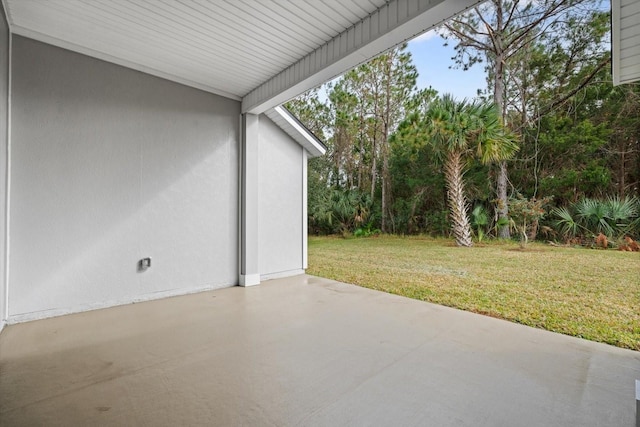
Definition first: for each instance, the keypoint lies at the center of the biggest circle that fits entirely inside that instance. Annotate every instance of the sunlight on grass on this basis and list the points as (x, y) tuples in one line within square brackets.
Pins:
[(592, 294)]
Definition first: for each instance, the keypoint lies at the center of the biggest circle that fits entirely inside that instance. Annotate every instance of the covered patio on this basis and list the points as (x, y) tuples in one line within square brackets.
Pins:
[(306, 351), (133, 130)]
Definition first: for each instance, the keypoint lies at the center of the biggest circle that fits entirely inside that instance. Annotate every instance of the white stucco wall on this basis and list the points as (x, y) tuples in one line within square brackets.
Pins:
[(4, 108), (281, 202), (110, 165)]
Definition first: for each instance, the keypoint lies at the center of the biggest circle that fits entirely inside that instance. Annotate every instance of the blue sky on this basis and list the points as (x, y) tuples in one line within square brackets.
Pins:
[(433, 60)]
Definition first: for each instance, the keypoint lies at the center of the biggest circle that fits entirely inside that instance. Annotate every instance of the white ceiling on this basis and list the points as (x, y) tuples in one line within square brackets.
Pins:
[(235, 48)]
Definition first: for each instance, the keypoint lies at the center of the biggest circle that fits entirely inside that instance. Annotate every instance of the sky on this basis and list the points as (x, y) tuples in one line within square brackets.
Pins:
[(433, 60)]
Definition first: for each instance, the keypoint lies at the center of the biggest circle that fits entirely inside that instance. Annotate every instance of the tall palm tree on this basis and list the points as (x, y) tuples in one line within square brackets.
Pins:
[(460, 131)]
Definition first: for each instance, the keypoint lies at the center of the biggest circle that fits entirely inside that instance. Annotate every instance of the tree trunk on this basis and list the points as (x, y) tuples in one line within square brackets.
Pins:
[(374, 167), (386, 114), (502, 207), (498, 98), (383, 224), (361, 162), (453, 170), (503, 177), (386, 190), (622, 186)]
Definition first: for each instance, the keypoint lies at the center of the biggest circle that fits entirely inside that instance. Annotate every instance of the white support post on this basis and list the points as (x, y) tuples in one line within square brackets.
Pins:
[(7, 190), (249, 267), (637, 403), (305, 224)]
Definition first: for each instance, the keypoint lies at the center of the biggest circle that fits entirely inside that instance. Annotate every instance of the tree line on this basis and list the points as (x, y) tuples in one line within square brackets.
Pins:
[(548, 132)]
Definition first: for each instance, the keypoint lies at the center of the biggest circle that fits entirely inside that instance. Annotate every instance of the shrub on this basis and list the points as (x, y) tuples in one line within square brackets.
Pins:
[(526, 214), (613, 217)]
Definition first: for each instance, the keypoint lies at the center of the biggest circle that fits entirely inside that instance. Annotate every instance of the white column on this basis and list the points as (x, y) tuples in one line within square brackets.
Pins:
[(305, 224), (637, 403), (249, 273)]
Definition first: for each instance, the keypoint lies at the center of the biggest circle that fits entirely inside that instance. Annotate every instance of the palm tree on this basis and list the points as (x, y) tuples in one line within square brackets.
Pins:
[(460, 131)]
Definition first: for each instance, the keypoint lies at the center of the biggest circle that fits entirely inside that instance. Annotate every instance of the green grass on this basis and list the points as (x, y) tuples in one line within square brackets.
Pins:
[(592, 294)]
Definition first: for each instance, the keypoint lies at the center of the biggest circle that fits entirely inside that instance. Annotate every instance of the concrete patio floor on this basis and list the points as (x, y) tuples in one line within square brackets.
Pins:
[(306, 351)]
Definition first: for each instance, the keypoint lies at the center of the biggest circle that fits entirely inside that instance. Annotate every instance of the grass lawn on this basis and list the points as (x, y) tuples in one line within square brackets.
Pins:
[(593, 294)]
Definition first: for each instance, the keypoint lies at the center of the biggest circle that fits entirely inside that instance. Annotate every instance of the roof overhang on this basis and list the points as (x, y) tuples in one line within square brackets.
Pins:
[(296, 130), (262, 53), (390, 25)]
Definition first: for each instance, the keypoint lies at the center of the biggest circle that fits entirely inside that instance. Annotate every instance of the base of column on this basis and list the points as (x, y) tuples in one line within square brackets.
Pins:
[(249, 279)]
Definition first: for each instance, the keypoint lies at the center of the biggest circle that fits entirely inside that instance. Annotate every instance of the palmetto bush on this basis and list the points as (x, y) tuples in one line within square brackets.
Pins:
[(349, 208), (339, 211), (479, 221), (614, 217)]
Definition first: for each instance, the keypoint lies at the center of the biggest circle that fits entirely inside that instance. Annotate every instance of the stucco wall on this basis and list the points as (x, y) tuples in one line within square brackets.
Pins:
[(280, 207), (4, 104), (110, 165)]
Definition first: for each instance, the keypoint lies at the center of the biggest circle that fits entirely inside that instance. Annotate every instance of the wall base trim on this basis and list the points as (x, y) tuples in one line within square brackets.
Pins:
[(249, 280), (281, 274), (56, 312)]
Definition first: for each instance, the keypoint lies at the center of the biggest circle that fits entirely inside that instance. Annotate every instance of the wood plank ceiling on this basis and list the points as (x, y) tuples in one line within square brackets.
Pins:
[(235, 48), (229, 47)]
